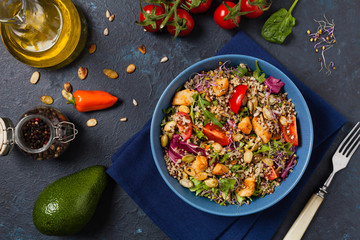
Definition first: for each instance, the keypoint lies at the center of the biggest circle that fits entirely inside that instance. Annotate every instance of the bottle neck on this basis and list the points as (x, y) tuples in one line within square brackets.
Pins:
[(12, 11)]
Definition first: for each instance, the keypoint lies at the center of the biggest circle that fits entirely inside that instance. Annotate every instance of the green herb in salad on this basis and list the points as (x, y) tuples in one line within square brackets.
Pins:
[(208, 115), (258, 74)]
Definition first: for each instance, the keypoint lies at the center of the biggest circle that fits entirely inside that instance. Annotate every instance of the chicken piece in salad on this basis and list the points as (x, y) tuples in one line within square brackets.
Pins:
[(230, 134)]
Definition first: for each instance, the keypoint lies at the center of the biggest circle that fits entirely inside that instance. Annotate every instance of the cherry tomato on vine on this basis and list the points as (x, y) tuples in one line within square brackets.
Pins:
[(221, 12), (254, 10), (152, 14), (185, 23), (203, 7), (170, 4)]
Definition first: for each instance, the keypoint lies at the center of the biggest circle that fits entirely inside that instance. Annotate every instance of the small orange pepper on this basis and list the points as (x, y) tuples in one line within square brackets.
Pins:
[(86, 100)]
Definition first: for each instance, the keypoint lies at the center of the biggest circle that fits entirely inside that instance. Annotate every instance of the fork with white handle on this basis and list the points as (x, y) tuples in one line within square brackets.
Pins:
[(340, 160)]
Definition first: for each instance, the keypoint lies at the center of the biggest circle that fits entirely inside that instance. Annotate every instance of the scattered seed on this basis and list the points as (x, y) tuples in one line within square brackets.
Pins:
[(110, 73), (164, 59), (47, 99), (111, 18), (67, 95), (35, 77), (91, 122), (107, 14), (67, 87), (130, 68), (82, 73), (106, 31), (123, 119), (135, 102), (142, 48), (92, 48)]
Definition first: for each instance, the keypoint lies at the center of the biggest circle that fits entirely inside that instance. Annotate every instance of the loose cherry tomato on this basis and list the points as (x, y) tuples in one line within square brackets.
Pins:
[(272, 174), (254, 10), (203, 7), (183, 122), (290, 132), (237, 98), (221, 12), (215, 133), (187, 27), (157, 12)]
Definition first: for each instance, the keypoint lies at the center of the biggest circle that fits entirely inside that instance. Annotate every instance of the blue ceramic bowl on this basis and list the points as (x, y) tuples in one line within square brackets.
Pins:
[(305, 129)]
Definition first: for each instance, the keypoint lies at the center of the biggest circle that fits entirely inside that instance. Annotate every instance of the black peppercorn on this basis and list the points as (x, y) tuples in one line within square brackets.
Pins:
[(36, 133)]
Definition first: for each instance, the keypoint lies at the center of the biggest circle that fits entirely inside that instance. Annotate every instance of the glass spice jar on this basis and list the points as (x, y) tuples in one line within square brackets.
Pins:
[(42, 133)]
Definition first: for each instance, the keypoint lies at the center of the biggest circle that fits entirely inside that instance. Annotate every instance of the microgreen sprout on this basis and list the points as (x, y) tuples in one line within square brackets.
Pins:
[(323, 39)]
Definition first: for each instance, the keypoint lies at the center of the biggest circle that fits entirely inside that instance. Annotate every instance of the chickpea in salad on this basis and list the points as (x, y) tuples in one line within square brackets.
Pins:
[(230, 134)]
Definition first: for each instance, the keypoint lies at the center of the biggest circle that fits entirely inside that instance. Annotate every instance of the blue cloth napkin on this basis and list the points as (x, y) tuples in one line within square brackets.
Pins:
[(180, 220)]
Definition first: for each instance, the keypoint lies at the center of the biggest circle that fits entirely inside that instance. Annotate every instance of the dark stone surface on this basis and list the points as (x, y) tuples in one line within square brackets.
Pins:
[(118, 217)]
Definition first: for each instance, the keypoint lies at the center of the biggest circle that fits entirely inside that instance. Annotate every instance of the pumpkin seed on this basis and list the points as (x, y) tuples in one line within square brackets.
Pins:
[(217, 147), (82, 73), (131, 68), (67, 95), (201, 176), (184, 108), (111, 18), (267, 113), (170, 126), (211, 182), (190, 171), (35, 77), (283, 121), (135, 102), (164, 59), (91, 122), (164, 140), (110, 73), (107, 14), (248, 156), (92, 48), (186, 183), (67, 87), (106, 31), (268, 161), (188, 158), (123, 119), (142, 48), (47, 99)]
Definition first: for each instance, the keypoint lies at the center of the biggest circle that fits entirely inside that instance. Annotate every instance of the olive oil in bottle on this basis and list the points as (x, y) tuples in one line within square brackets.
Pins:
[(44, 33)]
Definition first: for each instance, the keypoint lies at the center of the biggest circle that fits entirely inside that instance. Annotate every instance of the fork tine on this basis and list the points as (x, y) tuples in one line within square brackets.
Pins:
[(354, 146), (345, 142)]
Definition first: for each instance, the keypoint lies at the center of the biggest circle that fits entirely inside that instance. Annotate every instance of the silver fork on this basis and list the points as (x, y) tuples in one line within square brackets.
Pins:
[(340, 160)]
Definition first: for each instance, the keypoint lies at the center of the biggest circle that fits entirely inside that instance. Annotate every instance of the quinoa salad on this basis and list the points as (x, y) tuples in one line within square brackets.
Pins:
[(230, 134)]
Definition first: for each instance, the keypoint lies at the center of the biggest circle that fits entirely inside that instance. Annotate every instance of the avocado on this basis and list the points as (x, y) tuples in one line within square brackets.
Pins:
[(65, 206)]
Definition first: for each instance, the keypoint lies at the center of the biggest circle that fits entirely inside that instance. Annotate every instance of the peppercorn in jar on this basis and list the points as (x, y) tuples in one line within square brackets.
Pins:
[(42, 133)]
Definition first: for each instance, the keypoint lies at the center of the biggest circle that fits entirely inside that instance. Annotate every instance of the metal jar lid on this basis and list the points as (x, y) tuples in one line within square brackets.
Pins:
[(6, 136)]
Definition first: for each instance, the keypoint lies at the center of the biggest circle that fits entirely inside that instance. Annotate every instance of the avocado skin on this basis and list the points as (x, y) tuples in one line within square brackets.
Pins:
[(65, 206)]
